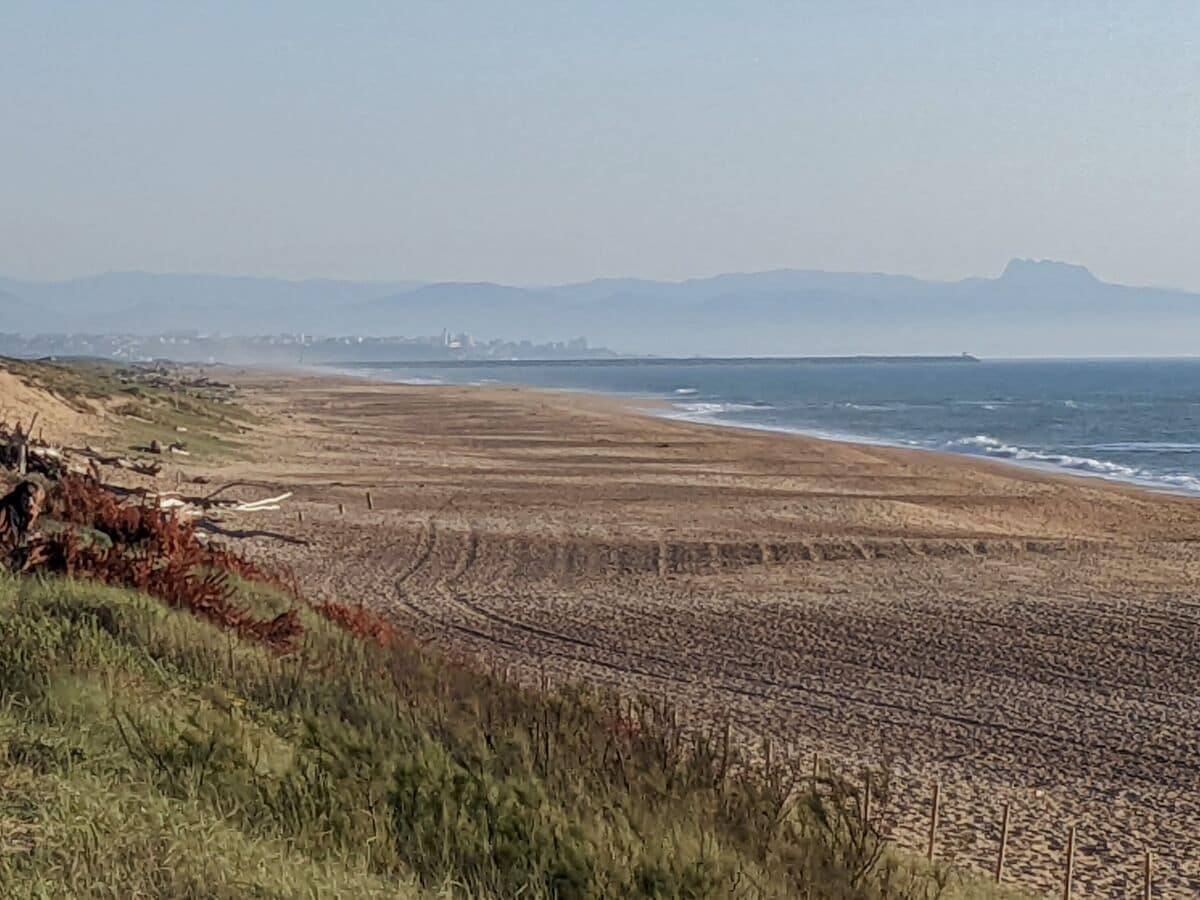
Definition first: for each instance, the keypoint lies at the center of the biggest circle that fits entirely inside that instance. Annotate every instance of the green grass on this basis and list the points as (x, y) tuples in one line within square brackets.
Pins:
[(144, 753), (76, 381), (137, 410), (128, 769)]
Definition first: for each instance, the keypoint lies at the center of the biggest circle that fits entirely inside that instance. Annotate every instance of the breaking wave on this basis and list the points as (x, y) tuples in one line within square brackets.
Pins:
[(418, 380), (990, 446), (709, 410), (1146, 447), (873, 407)]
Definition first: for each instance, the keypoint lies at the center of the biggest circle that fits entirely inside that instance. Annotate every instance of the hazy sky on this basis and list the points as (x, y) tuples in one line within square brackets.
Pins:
[(536, 141)]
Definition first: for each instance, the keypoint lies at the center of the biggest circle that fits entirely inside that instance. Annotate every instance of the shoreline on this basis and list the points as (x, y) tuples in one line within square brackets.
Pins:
[(664, 407), (602, 361), (1045, 467)]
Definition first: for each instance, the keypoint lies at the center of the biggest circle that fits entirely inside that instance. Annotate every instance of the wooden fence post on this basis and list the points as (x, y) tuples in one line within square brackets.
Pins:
[(1070, 864), (725, 744), (1003, 844), (370, 501), (1148, 889), (867, 798), (933, 819)]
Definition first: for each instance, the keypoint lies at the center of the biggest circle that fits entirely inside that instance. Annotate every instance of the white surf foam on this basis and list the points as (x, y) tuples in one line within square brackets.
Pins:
[(416, 380), (873, 407), (709, 410), (990, 446), (1145, 447)]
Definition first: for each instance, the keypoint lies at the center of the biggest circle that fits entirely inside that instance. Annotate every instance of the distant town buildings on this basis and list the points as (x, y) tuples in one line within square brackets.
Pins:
[(195, 346)]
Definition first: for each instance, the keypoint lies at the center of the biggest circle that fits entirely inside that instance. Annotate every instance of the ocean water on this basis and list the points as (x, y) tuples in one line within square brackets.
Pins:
[(1130, 420)]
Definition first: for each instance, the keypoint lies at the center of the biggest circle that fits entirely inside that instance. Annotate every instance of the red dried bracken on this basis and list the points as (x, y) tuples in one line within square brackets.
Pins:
[(359, 620), (156, 552)]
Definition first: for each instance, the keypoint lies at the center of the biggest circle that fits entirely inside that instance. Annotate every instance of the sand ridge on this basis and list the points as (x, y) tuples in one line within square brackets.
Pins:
[(1019, 636), (57, 420)]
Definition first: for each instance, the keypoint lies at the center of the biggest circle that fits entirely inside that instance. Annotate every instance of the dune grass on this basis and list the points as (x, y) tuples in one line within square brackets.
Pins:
[(141, 403), (146, 753)]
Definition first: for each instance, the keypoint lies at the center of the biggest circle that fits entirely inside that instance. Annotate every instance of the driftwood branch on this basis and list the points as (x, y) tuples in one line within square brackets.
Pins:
[(22, 452), (211, 527), (142, 467), (194, 507)]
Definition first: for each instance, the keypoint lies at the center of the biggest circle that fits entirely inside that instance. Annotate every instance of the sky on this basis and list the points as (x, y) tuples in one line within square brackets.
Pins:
[(541, 142)]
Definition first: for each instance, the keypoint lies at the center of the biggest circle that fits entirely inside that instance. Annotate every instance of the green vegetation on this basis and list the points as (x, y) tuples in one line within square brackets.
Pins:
[(145, 403), (146, 753), (224, 739)]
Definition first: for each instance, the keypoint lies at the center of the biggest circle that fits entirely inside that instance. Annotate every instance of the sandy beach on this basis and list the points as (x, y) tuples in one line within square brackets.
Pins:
[(1020, 637)]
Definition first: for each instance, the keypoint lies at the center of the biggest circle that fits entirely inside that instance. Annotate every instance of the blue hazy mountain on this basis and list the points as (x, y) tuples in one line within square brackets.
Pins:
[(1033, 308), (146, 303), (21, 316), (482, 308)]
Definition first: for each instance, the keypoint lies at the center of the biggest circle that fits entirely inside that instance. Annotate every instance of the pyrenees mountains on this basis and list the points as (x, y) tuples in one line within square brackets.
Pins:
[(1033, 308)]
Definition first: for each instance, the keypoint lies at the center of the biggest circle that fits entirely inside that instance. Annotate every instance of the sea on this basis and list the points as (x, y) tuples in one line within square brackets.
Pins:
[(1135, 420)]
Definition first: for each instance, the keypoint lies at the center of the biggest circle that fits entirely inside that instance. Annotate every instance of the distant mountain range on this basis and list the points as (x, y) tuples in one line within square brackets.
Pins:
[(1034, 308)]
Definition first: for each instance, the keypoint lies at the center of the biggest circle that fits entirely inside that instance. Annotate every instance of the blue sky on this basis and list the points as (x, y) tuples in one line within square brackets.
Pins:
[(538, 142)]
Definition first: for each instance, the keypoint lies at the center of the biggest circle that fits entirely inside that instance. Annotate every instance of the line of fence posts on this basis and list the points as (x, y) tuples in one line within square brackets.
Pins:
[(1002, 853), (341, 508), (934, 812), (935, 818)]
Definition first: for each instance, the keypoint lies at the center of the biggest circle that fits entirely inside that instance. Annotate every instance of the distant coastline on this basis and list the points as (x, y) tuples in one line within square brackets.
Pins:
[(652, 361)]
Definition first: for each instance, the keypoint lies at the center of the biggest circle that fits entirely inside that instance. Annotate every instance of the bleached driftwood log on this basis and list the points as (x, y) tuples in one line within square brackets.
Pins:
[(194, 507)]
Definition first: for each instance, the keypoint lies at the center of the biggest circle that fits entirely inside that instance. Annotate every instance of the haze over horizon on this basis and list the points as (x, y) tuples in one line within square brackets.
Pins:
[(414, 280), (556, 143), (1033, 308), (999, 272)]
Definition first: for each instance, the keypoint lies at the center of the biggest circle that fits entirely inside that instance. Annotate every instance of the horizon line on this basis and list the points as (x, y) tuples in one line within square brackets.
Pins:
[(417, 283)]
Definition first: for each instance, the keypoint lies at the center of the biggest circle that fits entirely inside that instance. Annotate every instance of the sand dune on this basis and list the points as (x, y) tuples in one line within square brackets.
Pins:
[(21, 401), (1021, 637)]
